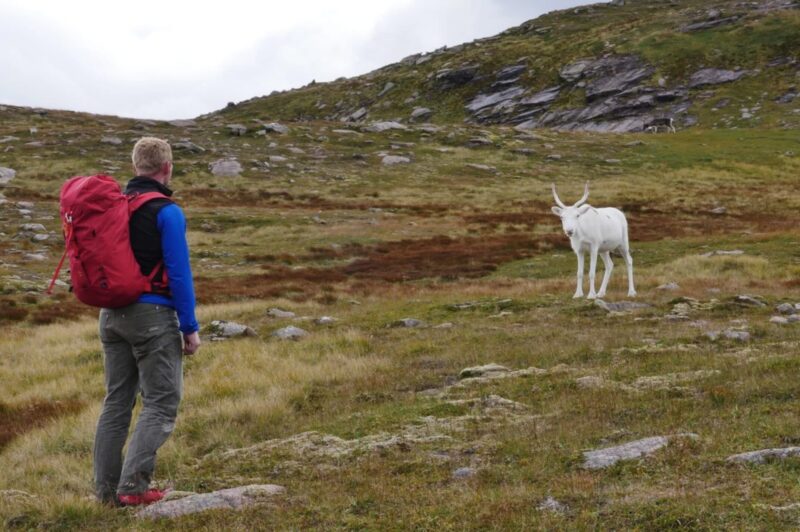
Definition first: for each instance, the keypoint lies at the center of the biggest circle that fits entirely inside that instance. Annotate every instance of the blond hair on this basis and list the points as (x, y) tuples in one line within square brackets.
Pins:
[(149, 154)]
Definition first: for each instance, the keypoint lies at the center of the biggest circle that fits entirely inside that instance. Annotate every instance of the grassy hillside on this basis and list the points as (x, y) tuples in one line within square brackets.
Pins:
[(370, 425)]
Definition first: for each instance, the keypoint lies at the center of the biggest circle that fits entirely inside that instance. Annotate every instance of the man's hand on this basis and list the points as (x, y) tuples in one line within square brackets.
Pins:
[(191, 342)]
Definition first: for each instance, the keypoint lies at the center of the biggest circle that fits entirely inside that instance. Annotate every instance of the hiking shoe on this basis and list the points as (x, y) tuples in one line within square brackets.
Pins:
[(142, 499)]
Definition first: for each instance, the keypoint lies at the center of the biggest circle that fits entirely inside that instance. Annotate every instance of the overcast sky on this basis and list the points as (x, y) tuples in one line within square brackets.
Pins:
[(182, 58)]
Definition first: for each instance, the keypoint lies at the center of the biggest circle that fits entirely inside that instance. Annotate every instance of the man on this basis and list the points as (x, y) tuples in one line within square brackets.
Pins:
[(142, 341)]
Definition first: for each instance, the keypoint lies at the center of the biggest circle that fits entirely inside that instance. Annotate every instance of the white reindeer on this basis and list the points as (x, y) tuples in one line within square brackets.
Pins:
[(596, 231)]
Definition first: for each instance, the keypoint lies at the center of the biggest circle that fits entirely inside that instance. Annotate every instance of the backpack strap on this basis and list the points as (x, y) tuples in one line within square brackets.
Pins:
[(158, 280), (67, 223), (137, 199)]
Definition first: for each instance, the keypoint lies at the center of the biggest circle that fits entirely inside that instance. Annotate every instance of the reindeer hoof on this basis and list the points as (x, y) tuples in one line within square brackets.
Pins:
[(577, 295), (632, 293), (591, 296)]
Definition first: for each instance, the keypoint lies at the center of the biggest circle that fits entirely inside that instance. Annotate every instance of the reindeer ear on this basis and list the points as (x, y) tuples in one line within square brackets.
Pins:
[(582, 209), (556, 210)]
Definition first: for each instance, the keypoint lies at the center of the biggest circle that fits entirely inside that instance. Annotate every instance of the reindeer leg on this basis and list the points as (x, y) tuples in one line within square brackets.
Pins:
[(592, 269), (579, 289), (626, 254), (609, 267)]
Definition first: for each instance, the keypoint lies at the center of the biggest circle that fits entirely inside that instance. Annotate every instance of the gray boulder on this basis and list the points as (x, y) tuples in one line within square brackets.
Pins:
[(421, 113), (227, 499), (574, 71), (225, 168), (275, 127), (280, 313), (602, 458), (236, 129), (222, 330), (786, 308), (357, 115), (6, 175)]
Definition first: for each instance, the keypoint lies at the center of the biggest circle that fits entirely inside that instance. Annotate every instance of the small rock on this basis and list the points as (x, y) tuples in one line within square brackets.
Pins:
[(185, 145), (325, 320), (785, 308), (669, 286), (793, 318), (763, 455), (220, 329), (34, 256), (277, 159), (40, 237), (280, 313), (474, 142), (378, 127), (275, 127), (290, 333), (464, 472), (32, 227), (482, 371), (357, 115), (407, 323), (391, 160), (421, 113), (602, 458), (552, 505), (722, 252), (482, 168), (718, 210), (749, 301), (116, 141), (237, 129), (730, 334), (779, 320)]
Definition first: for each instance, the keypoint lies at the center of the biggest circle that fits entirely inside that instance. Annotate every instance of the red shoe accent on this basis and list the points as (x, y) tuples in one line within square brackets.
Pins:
[(141, 499)]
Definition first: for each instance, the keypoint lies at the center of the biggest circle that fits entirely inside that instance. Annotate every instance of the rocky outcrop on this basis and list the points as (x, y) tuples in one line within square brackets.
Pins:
[(616, 97), (714, 76), (447, 79)]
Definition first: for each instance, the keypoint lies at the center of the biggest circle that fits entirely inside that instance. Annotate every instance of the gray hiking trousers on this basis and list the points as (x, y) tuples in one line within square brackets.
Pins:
[(142, 352)]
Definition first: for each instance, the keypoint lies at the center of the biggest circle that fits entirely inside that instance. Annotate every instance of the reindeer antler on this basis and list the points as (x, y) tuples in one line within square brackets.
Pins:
[(585, 196), (555, 197)]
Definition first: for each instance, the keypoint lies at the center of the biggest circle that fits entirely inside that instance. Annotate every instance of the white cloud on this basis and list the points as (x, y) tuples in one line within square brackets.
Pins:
[(178, 58)]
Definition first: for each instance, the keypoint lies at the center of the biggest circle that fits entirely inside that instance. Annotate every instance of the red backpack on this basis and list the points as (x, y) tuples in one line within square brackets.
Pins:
[(95, 215)]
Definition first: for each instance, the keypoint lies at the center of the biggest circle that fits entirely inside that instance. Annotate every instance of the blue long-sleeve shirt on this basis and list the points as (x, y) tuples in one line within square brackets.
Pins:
[(172, 226)]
